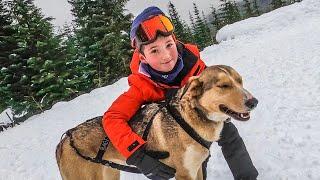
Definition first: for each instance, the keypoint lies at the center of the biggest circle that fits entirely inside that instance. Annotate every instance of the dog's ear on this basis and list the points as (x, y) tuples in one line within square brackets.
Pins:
[(194, 86)]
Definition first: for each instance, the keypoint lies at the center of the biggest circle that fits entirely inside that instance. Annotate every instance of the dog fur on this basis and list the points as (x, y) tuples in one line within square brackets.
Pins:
[(217, 94)]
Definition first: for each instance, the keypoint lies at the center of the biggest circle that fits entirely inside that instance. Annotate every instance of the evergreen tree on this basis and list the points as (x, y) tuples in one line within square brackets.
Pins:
[(201, 33), (256, 11), (193, 26), (275, 4), (223, 10), (190, 37), (216, 22), (76, 75), (234, 11), (7, 46), (229, 12), (103, 39), (293, 1), (247, 8), (180, 27), (34, 79), (207, 28)]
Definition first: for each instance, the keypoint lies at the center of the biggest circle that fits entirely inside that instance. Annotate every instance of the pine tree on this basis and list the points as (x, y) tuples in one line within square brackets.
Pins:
[(293, 1), (275, 4), (223, 13), (7, 46), (103, 38), (34, 83), (216, 22), (207, 28), (256, 11), (201, 33), (180, 27), (190, 37), (229, 12), (236, 16), (247, 8), (76, 75), (193, 26)]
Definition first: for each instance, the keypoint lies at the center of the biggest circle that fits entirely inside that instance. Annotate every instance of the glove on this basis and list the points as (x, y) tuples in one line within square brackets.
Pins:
[(236, 154), (148, 163)]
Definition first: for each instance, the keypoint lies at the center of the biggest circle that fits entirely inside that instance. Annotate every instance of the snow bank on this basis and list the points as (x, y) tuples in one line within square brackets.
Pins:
[(275, 20)]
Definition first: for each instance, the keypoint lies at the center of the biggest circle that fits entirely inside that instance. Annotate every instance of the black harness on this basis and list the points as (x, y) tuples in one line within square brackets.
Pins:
[(183, 124), (98, 159), (103, 147), (173, 112)]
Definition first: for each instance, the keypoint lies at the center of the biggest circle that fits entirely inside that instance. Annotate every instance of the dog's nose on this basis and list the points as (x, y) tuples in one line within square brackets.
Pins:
[(251, 103)]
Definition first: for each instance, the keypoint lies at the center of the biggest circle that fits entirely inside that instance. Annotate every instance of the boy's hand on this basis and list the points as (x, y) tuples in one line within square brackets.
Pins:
[(149, 165)]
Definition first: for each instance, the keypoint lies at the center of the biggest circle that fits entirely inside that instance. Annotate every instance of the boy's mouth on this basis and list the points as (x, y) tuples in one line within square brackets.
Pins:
[(166, 62)]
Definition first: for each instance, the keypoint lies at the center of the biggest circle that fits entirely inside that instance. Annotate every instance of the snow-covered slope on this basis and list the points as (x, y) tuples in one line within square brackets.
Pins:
[(278, 55)]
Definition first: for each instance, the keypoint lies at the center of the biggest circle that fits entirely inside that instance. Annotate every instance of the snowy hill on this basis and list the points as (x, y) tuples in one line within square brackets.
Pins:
[(278, 56)]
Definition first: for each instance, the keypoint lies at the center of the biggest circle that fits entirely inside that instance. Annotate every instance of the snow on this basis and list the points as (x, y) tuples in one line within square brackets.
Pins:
[(4, 118), (277, 55), (276, 20)]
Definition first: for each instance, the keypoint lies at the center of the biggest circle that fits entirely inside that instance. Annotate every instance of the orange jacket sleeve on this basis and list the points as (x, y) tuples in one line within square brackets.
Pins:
[(123, 108), (115, 121)]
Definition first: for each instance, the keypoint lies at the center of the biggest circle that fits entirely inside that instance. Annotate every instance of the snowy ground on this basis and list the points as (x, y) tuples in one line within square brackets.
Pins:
[(278, 55)]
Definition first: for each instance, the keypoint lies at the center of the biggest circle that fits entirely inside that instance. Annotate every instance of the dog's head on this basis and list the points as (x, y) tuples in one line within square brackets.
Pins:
[(218, 93)]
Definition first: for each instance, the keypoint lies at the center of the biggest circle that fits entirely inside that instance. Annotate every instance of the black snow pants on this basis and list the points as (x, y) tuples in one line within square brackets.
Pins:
[(235, 153)]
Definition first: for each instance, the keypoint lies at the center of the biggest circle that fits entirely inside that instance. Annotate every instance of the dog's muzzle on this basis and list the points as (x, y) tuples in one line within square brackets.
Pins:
[(236, 115)]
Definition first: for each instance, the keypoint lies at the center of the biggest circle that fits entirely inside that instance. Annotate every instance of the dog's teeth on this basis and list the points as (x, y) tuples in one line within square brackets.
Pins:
[(244, 115)]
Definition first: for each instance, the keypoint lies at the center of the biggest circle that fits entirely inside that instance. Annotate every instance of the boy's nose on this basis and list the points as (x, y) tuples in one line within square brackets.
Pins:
[(166, 55)]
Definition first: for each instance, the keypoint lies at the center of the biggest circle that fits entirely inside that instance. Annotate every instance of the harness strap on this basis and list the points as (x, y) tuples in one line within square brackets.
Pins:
[(146, 131), (183, 124), (102, 148), (187, 128), (98, 158)]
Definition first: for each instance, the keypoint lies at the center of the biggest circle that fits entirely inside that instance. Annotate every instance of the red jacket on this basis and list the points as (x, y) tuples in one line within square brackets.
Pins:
[(143, 89)]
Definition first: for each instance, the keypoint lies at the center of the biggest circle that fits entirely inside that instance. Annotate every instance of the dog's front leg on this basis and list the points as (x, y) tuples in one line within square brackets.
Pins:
[(186, 176), (200, 174), (183, 177)]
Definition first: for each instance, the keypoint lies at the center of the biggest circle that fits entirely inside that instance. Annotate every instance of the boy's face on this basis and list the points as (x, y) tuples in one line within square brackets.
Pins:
[(161, 55)]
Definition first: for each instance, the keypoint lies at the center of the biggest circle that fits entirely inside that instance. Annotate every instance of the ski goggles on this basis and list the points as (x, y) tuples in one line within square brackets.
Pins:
[(149, 29)]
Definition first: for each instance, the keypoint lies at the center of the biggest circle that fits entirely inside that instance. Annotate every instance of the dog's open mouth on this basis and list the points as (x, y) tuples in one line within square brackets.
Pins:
[(233, 114)]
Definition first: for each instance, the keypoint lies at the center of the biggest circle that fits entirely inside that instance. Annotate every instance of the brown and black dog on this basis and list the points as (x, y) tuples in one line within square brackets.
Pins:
[(205, 102)]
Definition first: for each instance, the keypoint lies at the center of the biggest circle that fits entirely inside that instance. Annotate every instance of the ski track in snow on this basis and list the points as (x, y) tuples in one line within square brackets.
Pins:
[(280, 66)]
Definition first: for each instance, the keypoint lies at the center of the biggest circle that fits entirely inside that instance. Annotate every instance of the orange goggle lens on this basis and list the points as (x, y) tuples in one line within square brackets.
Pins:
[(148, 29)]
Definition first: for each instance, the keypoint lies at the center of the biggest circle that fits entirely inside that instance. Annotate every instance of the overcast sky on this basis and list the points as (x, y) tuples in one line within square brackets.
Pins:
[(60, 9)]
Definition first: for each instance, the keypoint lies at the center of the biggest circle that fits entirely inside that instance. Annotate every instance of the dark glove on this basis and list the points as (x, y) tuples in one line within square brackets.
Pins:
[(236, 154), (149, 165)]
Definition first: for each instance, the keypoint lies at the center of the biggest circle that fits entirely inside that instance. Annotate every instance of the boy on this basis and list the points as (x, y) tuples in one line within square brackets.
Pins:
[(161, 62)]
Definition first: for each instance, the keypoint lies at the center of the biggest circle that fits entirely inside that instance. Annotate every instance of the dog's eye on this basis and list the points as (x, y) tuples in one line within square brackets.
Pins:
[(239, 80), (223, 86)]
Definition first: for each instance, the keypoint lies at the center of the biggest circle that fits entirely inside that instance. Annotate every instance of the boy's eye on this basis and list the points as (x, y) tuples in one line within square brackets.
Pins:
[(154, 51), (169, 45)]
